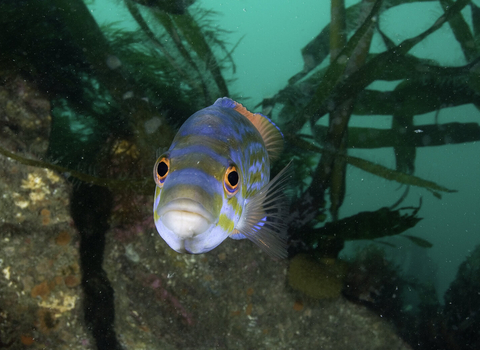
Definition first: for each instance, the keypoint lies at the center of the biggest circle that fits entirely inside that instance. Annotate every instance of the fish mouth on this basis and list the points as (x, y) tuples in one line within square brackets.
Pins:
[(186, 218)]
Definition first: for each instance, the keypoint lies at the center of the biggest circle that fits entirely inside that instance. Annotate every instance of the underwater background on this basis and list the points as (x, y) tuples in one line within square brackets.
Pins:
[(384, 136)]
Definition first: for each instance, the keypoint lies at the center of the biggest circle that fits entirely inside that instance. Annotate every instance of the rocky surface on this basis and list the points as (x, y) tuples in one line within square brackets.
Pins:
[(40, 294), (234, 297)]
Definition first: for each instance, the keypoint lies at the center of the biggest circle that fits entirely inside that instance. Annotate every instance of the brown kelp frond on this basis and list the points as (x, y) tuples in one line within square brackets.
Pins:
[(151, 67), (365, 75), (377, 169), (401, 199), (371, 224), (189, 49), (462, 32), (334, 72), (418, 241), (192, 32), (340, 90), (328, 240), (165, 51)]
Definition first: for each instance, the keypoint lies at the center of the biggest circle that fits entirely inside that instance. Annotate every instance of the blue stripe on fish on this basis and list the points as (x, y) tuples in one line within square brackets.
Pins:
[(200, 150)]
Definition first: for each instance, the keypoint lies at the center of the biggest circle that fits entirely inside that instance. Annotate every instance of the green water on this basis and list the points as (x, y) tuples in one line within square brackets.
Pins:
[(104, 99)]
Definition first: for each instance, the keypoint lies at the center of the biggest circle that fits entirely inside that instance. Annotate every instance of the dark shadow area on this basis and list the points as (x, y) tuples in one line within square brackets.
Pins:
[(91, 207)]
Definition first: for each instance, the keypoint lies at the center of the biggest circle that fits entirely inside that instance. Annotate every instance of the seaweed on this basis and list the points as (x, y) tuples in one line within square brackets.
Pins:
[(341, 89)]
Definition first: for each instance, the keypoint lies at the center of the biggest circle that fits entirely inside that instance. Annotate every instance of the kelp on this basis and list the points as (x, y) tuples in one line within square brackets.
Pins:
[(435, 82), (377, 169), (329, 92), (199, 88), (422, 135), (333, 73), (475, 19), (462, 32), (192, 44), (425, 86), (371, 224), (332, 168), (315, 52), (328, 240), (193, 34), (176, 7)]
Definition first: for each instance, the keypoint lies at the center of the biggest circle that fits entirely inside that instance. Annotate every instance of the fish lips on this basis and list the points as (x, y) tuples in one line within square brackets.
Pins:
[(186, 218)]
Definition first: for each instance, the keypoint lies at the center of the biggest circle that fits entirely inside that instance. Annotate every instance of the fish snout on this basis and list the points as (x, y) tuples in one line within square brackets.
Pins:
[(186, 218)]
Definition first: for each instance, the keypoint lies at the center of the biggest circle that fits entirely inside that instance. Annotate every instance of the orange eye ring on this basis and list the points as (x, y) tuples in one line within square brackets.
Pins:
[(231, 180), (161, 170)]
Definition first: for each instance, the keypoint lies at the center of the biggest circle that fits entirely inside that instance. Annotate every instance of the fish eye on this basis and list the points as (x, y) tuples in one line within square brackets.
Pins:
[(231, 180), (160, 170)]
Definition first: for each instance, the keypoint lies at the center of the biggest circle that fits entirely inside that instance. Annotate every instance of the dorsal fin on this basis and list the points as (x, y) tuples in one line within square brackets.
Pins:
[(271, 134)]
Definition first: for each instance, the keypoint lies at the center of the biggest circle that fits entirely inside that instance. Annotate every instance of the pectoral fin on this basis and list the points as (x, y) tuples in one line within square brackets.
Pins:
[(265, 215)]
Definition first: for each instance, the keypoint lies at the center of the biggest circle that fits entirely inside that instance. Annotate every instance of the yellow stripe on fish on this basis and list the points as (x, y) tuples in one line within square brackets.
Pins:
[(213, 182)]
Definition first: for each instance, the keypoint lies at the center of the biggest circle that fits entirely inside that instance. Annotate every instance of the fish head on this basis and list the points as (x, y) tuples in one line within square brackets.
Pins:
[(193, 196)]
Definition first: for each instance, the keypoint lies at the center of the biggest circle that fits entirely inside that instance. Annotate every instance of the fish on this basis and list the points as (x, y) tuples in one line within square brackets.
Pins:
[(214, 182)]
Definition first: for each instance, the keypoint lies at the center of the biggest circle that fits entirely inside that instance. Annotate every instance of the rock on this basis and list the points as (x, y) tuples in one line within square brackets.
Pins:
[(37, 309), (234, 297)]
